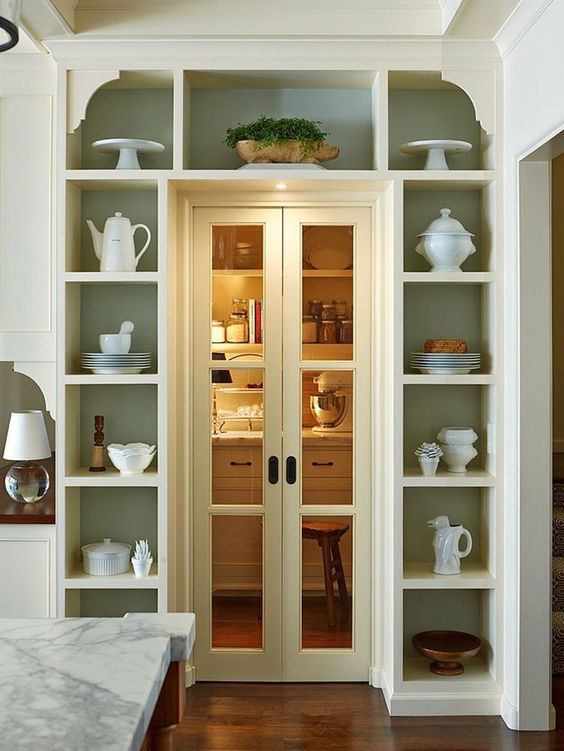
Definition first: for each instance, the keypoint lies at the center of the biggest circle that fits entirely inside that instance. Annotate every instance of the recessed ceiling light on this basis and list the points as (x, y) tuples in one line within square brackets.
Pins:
[(280, 186)]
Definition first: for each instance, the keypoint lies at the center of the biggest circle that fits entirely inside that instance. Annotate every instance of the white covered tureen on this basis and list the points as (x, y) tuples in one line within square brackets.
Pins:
[(445, 244)]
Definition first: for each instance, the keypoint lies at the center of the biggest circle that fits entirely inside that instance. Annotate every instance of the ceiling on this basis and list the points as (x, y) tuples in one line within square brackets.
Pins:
[(469, 19)]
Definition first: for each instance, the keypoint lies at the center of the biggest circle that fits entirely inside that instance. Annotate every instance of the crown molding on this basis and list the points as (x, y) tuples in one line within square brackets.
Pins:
[(519, 23), (450, 10)]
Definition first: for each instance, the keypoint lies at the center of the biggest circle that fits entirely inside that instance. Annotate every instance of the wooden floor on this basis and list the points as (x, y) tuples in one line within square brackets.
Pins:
[(332, 717), (237, 624)]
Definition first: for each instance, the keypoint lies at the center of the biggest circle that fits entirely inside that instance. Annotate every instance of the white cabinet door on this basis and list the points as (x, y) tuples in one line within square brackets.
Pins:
[(26, 264), (26, 569)]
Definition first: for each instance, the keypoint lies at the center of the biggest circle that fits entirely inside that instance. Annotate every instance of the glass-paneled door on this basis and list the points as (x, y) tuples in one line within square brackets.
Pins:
[(282, 443)]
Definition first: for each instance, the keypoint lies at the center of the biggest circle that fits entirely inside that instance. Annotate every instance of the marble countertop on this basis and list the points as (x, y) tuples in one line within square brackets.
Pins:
[(86, 684)]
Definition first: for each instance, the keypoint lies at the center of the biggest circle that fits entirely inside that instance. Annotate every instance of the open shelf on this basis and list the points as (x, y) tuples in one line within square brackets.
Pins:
[(80, 580), (470, 206), (83, 478), (139, 104), (476, 677), (111, 602), (99, 200), (112, 277), (100, 309), (478, 379), (472, 576), (462, 277), (423, 106), (475, 478), (217, 100)]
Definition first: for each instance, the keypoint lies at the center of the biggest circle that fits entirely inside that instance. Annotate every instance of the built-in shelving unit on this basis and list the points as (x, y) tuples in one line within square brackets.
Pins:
[(189, 112)]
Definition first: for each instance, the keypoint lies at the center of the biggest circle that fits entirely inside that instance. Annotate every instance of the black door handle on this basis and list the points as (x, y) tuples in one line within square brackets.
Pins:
[(273, 470), (241, 464), (322, 464), (291, 470)]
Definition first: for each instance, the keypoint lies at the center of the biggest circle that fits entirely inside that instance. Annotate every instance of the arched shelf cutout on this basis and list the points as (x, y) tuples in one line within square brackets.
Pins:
[(39, 394), (118, 104), (479, 86)]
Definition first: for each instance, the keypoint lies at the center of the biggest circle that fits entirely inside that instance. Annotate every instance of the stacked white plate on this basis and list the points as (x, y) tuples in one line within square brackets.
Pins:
[(103, 363), (444, 363)]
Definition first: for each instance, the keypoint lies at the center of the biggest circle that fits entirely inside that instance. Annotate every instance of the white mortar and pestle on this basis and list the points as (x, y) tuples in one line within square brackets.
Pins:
[(117, 344)]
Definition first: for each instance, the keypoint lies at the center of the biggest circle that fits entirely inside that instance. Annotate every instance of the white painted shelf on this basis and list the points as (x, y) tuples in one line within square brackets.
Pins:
[(82, 478), (473, 478), (456, 277), (472, 576), (448, 380), (80, 580), (111, 380), (107, 277), (237, 272), (475, 678)]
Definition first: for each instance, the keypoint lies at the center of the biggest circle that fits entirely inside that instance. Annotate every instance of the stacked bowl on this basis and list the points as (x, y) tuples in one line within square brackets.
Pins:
[(131, 458)]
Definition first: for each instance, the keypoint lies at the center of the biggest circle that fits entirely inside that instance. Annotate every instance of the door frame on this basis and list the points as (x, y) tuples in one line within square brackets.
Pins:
[(189, 194)]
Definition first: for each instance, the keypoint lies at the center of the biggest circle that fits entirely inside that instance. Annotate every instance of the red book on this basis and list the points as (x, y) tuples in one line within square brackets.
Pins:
[(258, 321)]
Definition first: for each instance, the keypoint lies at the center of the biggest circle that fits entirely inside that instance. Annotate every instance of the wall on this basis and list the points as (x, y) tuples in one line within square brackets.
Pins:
[(533, 112), (558, 308)]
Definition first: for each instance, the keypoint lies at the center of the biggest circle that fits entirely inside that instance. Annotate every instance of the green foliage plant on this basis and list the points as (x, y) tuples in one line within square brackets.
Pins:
[(267, 131)]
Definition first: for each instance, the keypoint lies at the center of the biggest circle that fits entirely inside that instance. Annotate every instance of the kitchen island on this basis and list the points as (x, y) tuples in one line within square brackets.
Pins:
[(89, 684)]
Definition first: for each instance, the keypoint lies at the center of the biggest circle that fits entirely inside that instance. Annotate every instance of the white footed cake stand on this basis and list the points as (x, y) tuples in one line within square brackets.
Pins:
[(128, 149), (436, 150)]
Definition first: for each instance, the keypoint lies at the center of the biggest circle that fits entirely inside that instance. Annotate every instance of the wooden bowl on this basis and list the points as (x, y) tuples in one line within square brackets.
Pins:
[(446, 649)]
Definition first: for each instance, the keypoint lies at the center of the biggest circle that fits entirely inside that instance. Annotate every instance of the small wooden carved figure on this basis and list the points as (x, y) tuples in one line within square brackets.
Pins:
[(97, 464)]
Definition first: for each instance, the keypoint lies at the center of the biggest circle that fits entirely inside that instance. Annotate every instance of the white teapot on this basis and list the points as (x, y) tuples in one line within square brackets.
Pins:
[(446, 541), (114, 247)]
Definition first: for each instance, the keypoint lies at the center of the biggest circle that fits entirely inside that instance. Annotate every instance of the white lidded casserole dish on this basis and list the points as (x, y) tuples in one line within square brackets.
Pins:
[(105, 558)]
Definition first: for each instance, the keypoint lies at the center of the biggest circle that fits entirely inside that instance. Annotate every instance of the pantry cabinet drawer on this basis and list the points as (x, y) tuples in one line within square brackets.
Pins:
[(237, 462), (326, 462), (246, 497)]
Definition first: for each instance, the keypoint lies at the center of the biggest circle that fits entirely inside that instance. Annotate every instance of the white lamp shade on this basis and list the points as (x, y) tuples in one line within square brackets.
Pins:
[(27, 437)]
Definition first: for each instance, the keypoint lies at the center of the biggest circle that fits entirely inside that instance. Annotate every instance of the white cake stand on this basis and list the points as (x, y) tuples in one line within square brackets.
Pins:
[(128, 149), (436, 150)]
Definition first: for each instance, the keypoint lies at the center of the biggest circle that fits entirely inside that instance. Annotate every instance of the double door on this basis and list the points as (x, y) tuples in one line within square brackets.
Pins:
[(282, 443)]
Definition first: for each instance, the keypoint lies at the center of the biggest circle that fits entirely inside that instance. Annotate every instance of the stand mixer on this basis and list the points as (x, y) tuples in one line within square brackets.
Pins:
[(332, 407)]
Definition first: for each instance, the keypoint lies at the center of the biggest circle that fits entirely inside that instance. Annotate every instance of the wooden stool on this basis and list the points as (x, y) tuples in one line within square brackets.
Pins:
[(328, 536)]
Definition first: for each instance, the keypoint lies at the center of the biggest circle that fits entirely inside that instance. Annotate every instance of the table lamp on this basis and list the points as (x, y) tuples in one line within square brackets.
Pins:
[(217, 377), (27, 441)]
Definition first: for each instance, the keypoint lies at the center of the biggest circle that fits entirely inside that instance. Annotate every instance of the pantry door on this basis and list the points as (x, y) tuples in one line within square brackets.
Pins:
[(327, 479), (237, 439)]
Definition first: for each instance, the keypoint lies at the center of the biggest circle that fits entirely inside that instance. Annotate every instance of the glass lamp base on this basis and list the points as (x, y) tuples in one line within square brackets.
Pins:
[(26, 482)]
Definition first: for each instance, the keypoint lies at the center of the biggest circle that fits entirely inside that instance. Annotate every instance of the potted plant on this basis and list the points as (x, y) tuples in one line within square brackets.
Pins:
[(429, 455), (280, 140), (142, 558)]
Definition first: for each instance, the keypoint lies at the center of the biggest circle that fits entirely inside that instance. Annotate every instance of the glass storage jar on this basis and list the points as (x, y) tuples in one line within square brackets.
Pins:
[(340, 308), (237, 329), (328, 312), (240, 306), (314, 307), (218, 332), (309, 330), (346, 332), (327, 332)]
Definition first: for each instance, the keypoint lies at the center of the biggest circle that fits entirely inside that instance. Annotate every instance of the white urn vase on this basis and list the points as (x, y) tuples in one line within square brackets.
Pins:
[(456, 444), (445, 244)]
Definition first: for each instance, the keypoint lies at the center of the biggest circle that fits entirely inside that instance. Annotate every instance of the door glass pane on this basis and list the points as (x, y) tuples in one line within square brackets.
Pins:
[(237, 289), (327, 576), (237, 415), (237, 582), (327, 292), (327, 437)]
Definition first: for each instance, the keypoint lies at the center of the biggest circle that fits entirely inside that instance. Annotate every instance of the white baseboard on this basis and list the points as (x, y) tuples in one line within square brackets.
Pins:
[(509, 713), (190, 675), (375, 677), (447, 704), (386, 690)]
